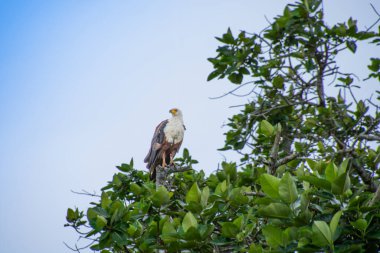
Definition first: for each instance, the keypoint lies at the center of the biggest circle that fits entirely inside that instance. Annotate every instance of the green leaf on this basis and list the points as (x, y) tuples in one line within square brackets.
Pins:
[(119, 239), (270, 185), (192, 234), (239, 222), (312, 164), (92, 214), (194, 194), (334, 224), (347, 81), (206, 230), (135, 188), (168, 228), (375, 65), (351, 45), (237, 198), (343, 166), (160, 197), (186, 153), (131, 230), (321, 234), (194, 207), (360, 224), (230, 169), (189, 221), (288, 189), (253, 248), (229, 229), (100, 222), (204, 196), (125, 167), (169, 234), (228, 38), (266, 128), (211, 209), (235, 78), (105, 201), (213, 74), (275, 210), (70, 215), (331, 172), (319, 182), (221, 188), (244, 71), (360, 107), (273, 236), (341, 184), (278, 82)]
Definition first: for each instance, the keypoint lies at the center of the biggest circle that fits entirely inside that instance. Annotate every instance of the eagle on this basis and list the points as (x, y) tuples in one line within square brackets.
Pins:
[(166, 142)]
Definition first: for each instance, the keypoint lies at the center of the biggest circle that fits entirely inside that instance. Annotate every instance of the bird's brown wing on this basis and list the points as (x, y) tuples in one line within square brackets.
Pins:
[(153, 157)]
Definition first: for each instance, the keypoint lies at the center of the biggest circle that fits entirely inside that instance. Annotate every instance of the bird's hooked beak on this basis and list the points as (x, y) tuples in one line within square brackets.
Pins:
[(173, 111)]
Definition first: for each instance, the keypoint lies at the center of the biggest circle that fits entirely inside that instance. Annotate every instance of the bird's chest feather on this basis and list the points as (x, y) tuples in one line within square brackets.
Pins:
[(174, 131)]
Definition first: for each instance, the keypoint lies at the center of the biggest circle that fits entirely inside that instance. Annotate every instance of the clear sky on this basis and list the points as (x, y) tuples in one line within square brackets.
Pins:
[(83, 83)]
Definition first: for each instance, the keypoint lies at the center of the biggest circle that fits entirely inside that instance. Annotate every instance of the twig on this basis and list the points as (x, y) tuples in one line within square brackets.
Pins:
[(76, 247), (84, 192), (369, 137), (232, 91), (257, 194)]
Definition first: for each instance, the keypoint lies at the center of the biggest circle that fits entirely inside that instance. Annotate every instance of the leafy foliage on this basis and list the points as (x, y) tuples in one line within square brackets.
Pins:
[(300, 212), (288, 66), (309, 176)]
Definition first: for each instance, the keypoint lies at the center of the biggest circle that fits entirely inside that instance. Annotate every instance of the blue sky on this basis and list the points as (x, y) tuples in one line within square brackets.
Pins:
[(83, 83)]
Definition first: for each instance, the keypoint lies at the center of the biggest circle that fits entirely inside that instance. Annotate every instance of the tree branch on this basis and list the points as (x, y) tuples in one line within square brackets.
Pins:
[(257, 194), (163, 172), (369, 137), (274, 153), (286, 159), (364, 175), (376, 197), (84, 192)]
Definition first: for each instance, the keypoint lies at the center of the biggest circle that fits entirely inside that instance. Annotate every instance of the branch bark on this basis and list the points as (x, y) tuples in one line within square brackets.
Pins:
[(369, 137), (376, 197), (257, 194), (286, 159), (274, 153), (365, 176), (163, 172)]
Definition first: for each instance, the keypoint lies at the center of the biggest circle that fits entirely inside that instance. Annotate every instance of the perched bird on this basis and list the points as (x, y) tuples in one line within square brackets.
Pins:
[(167, 140)]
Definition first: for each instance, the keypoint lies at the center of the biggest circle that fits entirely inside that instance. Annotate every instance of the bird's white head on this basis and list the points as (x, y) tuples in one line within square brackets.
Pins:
[(176, 112)]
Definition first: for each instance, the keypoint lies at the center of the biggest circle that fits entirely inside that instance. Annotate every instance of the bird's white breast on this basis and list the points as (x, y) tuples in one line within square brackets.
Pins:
[(174, 130)]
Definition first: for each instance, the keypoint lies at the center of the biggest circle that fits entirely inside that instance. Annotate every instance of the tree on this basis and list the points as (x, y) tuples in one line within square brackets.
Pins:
[(309, 173)]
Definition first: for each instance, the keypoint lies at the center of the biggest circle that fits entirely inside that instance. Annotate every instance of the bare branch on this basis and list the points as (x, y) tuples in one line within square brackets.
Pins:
[(76, 249), (369, 137), (286, 159), (376, 197), (257, 194), (274, 153), (84, 192), (232, 91), (364, 175)]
